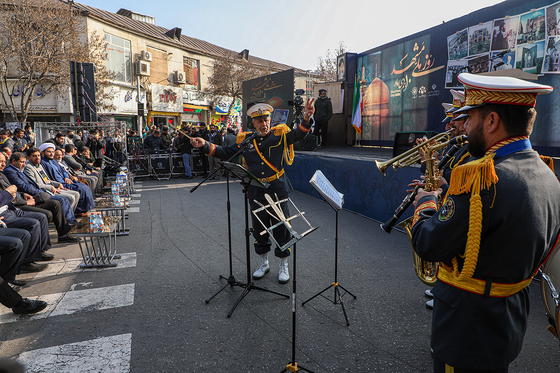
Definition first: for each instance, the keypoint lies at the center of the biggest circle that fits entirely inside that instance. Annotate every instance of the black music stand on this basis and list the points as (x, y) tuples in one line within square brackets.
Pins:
[(335, 200), (231, 281), (274, 209), (247, 179)]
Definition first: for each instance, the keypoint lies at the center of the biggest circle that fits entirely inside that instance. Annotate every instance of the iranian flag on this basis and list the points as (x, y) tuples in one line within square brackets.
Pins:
[(357, 108)]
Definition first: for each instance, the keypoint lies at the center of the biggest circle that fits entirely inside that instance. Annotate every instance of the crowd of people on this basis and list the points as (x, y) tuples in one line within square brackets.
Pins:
[(53, 182), (161, 139)]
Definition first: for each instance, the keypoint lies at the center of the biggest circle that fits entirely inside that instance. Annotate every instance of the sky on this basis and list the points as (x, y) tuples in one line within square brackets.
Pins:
[(296, 32)]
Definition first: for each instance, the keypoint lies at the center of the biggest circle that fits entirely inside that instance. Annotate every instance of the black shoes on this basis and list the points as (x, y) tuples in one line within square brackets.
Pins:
[(29, 306), (67, 238), (33, 267), (18, 282), (45, 257)]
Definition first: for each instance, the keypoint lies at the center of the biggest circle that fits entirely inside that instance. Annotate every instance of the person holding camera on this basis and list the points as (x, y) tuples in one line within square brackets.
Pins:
[(265, 158), (323, 113)]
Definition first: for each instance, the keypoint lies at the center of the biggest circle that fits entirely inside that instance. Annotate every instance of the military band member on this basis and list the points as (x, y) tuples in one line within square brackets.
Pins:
[(499, 221), (265, 158)]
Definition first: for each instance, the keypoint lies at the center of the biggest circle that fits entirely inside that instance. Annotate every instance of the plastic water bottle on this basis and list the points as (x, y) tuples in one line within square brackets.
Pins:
[(99, 223), (114, 188), (92, 218), (117, 199)]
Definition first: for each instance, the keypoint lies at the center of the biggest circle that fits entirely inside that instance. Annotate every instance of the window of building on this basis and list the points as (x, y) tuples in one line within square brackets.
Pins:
[(119, 58), (191, 69)]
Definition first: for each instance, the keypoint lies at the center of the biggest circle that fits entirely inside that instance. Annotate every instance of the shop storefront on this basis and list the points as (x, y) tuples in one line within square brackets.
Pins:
[(48, 108), (125, 105)]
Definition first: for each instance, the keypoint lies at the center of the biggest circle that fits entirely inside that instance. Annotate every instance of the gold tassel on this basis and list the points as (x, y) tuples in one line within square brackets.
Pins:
[(472, 177), (281, 129), (241, 137), (548, 161)]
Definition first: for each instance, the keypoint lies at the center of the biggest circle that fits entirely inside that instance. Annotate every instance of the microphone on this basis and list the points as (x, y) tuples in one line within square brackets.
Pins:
[(249, 138)]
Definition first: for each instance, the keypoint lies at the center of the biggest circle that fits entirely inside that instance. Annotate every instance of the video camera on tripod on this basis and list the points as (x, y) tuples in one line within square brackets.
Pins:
[(297, 103)]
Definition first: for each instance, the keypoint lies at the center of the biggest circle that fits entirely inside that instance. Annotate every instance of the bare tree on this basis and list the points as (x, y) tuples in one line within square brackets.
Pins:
[(38, 38), (227, 77), (326, 66)]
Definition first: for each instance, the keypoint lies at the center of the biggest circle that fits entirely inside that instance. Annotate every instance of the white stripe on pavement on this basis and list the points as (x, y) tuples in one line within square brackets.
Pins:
[(138, 189), (61, 267), (77, 301), (106, 354), (134, 202), (136, 195), (133, 209)]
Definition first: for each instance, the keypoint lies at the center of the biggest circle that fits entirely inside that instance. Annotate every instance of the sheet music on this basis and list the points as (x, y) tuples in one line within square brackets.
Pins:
[(322, 185)]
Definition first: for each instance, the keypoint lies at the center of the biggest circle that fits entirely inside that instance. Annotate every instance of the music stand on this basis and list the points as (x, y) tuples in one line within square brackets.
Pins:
[(247, 179), (335, 200), (274, 209)]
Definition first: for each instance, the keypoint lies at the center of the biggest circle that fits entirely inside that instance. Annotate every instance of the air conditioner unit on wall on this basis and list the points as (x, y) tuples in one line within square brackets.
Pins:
[(179, 77), (142, 68), (146, 56)]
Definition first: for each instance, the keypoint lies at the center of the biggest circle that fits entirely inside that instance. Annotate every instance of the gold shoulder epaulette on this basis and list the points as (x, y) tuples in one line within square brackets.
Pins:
[(241, 136), (280, 129), (473, 176), (548, 161)]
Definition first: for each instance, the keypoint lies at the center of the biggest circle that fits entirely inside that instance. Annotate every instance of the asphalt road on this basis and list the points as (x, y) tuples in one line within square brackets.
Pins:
[(149, 314)]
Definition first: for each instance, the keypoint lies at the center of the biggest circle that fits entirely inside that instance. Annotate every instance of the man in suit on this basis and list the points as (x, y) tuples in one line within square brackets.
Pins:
[(35, 223), (50, 207), (69, 151), (16, 176), (56, 173), (14, 243), (11, 299), (35, 171)]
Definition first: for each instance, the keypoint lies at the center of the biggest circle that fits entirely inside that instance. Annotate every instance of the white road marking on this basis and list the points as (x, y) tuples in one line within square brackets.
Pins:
[(76, 301), (136, 195), (101, 355), (137, 189), (133, 209), (61, 267), (134, 202)]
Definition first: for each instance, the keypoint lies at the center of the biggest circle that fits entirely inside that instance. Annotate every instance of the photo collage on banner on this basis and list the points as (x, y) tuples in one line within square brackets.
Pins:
[(528, 41), (552, 53)]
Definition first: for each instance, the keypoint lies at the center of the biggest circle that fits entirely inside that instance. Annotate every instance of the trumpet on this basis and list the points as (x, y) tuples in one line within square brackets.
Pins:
[(412, 156)]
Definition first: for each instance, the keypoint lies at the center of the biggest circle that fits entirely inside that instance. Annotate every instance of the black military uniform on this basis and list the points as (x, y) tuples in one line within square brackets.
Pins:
[(265, 159), (499, 221)]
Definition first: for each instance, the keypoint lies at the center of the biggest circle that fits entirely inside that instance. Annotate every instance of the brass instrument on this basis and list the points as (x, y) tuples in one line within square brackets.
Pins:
[(426, 271), (412, 156)]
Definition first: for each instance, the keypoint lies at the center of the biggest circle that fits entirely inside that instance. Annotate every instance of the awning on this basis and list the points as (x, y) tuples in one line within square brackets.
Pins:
[(189, 106)]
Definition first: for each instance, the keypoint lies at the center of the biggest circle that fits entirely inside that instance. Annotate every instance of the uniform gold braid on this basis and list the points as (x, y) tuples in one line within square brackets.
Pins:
[(282, 130), (499, 144), (472, 177), (477, 97)]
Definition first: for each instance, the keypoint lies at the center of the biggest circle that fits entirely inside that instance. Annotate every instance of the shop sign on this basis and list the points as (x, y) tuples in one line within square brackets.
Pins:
[(168, 99)]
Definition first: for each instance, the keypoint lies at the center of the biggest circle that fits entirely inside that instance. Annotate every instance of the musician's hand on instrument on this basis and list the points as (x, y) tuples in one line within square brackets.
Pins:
[(416, 183), (423, 193), (442, 181), (197, 142)]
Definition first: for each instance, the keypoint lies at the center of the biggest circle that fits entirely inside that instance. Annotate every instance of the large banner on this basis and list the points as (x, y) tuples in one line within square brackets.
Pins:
[(404, 83), (277, 90)]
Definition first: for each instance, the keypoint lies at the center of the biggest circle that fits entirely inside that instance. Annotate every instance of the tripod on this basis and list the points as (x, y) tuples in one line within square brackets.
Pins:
[(279, 215), (335, 200)]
